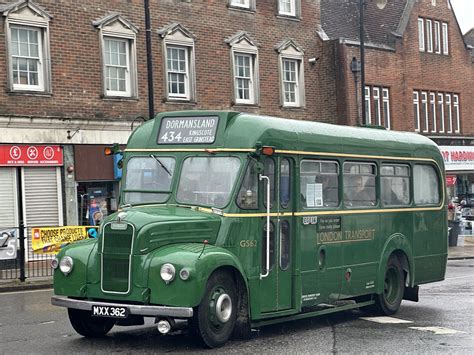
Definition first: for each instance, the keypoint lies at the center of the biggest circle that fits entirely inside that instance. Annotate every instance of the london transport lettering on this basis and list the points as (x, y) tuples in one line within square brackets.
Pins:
[(180, 130)]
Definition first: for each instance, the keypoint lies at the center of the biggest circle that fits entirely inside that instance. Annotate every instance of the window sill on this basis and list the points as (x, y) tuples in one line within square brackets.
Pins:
[(241, 9), (288, 17), (237, 105), (293, 108), (118, 98), (29, 93), (179, 102)]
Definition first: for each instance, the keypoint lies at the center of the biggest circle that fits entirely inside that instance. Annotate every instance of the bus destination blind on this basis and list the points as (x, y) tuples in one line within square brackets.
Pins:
[(188, 130)]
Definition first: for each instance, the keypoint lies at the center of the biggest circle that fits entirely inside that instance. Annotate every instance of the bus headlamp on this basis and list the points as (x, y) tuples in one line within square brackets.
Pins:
[(167, 272), (65, 265)]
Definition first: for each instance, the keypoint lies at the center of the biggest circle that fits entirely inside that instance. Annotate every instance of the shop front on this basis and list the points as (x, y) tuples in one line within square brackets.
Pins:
[(459, 165), (97, 181)]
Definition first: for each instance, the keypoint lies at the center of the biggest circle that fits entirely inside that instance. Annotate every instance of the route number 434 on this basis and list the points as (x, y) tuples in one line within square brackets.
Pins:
[(171, 137)]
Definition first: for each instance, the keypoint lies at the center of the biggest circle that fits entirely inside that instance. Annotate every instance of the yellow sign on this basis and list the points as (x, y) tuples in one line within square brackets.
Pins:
[(50, 240)]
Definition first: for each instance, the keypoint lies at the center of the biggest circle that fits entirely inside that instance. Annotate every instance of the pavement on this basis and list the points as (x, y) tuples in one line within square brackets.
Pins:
[(464, 250)]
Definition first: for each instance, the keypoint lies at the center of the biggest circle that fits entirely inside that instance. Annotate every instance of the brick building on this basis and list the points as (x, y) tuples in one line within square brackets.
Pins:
[(74, 78), (418, 77)]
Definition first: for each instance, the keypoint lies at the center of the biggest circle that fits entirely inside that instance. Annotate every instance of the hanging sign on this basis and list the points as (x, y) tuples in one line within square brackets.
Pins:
[(49, 240), (457, 158), (31, 155)]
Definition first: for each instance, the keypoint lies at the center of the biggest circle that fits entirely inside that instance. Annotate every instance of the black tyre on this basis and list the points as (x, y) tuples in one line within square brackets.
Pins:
[(389, 301), (88, 326), (215, 317)]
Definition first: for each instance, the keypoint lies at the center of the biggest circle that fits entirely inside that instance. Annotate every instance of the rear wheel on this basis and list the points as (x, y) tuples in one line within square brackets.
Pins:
[(88, 326), (215, 317), (389, 301)]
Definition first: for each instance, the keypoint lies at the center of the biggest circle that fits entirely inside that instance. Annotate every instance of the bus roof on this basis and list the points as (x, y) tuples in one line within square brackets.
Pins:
[(245, 131)]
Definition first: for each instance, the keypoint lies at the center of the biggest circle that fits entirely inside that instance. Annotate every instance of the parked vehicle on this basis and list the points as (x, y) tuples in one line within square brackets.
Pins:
[(233, 221)]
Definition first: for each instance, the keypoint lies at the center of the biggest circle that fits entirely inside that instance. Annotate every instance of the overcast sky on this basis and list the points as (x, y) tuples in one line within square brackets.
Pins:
[(464, 10)]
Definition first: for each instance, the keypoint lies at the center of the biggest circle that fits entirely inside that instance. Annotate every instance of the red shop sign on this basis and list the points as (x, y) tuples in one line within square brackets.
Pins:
[(31, 155), (450, 180)]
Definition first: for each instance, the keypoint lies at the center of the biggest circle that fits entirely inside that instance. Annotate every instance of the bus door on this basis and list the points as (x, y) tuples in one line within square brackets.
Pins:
[(276, 283)]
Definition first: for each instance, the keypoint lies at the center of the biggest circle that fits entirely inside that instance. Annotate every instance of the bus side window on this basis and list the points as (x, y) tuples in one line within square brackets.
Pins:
[(269, 170), (395, 184), (425, 185), (264, 246), (285, 183), (248, 197), (359, 184), (319, 184), (285, 244)]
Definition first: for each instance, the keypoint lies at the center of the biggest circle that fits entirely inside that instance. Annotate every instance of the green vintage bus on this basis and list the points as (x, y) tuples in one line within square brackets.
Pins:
[(232, 221)]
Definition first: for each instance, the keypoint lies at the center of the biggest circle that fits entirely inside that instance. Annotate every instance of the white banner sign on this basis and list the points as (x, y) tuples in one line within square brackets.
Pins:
[(457, 158)]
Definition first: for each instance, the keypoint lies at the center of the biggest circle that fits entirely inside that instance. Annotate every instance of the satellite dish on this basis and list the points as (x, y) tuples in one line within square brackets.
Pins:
[(381, 4)]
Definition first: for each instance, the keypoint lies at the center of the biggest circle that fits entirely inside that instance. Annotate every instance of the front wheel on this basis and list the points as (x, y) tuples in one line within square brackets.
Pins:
[(216, 314), (389, 301), (88, 326)]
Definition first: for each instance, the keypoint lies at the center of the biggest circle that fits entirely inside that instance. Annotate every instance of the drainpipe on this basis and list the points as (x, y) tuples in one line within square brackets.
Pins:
[(149, 62)]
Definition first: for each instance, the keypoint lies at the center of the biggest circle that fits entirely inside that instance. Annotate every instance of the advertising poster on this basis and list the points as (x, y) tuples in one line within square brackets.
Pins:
[(50, 240)]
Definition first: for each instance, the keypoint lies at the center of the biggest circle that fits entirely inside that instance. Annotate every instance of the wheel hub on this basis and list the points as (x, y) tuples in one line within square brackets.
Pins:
[(223, 307)]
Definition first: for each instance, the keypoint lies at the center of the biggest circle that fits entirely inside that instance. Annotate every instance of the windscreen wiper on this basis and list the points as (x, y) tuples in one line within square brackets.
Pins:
[(161, 163)]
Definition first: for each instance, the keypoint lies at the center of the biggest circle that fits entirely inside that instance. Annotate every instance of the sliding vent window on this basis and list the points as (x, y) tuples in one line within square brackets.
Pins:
[(395, 185), (359, 184), (319, 184)]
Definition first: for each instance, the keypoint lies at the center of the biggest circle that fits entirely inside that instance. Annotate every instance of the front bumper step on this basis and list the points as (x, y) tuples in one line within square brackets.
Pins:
[(142, 310)]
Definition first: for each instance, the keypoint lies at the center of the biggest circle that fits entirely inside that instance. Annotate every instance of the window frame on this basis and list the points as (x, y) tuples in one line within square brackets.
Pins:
[(338, 178), (242, 44), (129, 92), (445, 32), (429, 36), (292, 52), (457, 113), (425, 109), (376, 100), (169, 71), (177, 36), (15, 19), (367, 100), (421, 34), (437, 37), (432, 105), (441, 112), (448, 103), (416, 110), (386, 108), (116, 28), (408, 177), (414, 178), (247, 5), (295, 9), (376, 176)]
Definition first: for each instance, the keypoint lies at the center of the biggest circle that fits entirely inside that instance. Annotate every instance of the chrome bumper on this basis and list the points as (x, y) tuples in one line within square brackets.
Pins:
[(150, 311)]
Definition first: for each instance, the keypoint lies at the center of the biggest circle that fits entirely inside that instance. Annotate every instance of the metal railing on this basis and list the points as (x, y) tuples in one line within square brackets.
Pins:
[(17, 260)]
